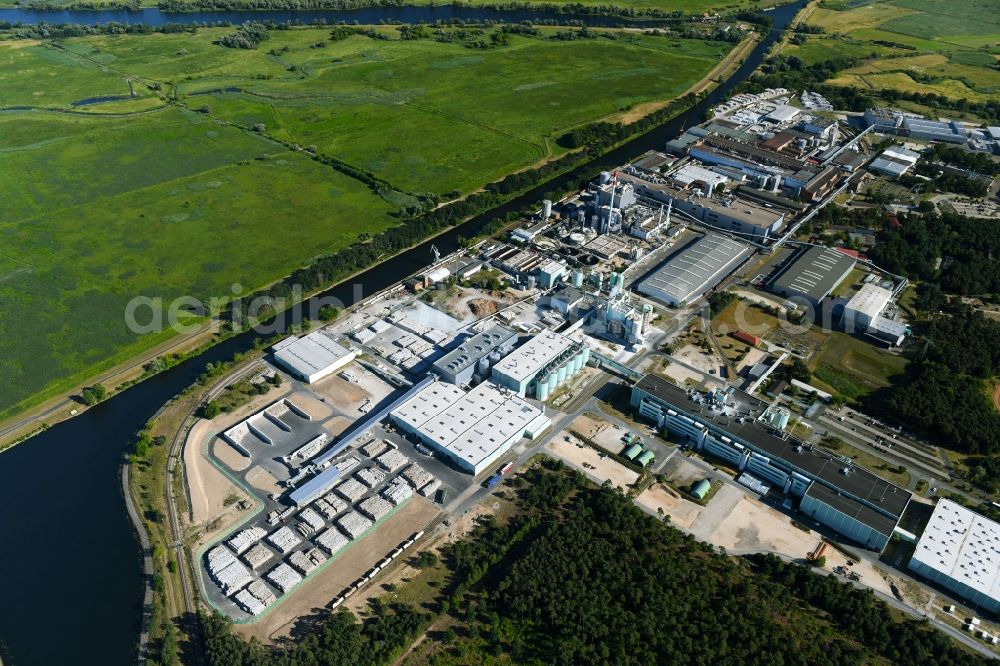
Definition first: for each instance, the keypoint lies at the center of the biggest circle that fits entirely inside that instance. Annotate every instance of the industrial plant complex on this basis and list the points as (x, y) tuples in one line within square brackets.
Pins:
[(421, 398)]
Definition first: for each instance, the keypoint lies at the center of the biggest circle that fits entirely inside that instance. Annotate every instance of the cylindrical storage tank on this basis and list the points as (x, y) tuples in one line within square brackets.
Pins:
[(605, 177), (553, 382), (577, 362), (783, 419), (577, 278), (484, 365), (586, 354), (546, 209), (561, 374), (542, 391), (531, 282)]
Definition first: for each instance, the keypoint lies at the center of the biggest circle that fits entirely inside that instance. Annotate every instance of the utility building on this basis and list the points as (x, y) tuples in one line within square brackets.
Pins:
[(689, 273), (312, 357), (812, 274), (863, 308), (474, 354), (960, 550), (473, 429), (832, 490), (545, 354)]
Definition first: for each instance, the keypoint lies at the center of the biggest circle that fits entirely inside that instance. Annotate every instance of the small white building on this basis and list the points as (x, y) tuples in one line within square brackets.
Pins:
[(867, 304), (312, 357)]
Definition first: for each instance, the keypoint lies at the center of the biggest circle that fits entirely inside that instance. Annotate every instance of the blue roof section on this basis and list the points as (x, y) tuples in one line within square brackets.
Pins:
[(315, 487)]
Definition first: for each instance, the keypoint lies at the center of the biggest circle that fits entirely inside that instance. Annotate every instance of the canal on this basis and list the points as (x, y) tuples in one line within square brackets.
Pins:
[(71, 563)]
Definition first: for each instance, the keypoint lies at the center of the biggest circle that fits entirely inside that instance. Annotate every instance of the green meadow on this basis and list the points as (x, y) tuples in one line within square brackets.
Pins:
[(182, 181), (945, 47)]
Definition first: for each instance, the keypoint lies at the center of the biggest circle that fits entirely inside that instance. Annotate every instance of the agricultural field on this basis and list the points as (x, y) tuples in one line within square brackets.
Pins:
[(131, 166), (915, 46), (854, 368)]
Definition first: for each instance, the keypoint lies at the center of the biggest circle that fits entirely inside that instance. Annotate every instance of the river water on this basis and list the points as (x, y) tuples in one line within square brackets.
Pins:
[(71, 581), (367, 16)]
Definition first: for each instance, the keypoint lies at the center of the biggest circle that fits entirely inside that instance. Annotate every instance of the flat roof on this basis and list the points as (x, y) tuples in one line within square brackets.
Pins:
[(889, 166), (315, 487), (962, 545), (814, 462), (696, 267), (472, 349), (692, 173), (814, 272), (473, 425), (870, 300), (863, 514), (428, 402), (533, 355), (783, 113), (311, 354)]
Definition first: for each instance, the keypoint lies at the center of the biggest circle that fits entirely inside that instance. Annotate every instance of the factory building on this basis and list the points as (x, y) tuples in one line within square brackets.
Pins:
[(812, 274), (960, 550), (312, 357), (475, 355), (832, 490), (886, 121), (689, 273), (894, 162), (888, 330), (865, 305), (824, 128), (934, 130), (541, 364), (472, 428), (549, 274), (694, 176), (748, 220)]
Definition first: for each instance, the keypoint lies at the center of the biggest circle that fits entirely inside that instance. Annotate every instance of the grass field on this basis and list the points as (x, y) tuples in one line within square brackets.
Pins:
[(152, 196), (955, 48), (854, 368), (351, 98)]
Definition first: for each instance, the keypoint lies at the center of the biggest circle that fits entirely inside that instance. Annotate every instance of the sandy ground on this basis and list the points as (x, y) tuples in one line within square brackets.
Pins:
[(718, 510), (310, 405), (603, 433), (752, 358), (228, 455), (575, 454), (681, 374), (758, 298), (208, 486), (755, 527), (321, 589), (263, 480), (682, 473), (682, 512), (345, 395), (337, 425), (695, 356)]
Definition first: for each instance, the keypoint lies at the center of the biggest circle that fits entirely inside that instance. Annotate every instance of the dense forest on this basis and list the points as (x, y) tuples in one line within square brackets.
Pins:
[(968, 250), (584, 577), (944, 392)]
